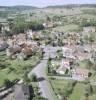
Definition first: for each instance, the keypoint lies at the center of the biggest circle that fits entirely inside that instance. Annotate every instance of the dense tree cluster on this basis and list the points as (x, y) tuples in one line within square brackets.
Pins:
[(85, 22), (20, 25), (35, 25)]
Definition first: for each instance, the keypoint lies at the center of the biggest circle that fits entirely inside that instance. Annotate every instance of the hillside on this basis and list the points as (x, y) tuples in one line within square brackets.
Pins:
[(20, 8), (72, 5)]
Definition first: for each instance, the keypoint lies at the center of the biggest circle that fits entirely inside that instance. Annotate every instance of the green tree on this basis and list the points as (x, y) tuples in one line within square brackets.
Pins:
[(8, 83), (26, 78), (19, 26), (88, 90), (35, 25), (0, 27), (48, 18), (39, 98), (33, 78), (10, 22)]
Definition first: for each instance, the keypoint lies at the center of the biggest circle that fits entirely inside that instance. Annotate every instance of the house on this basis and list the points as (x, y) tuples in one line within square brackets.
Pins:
[(5, 26), (68, 52), (3, 45), (89, 29), (61, 70), (48, 25), (65, 63), (82, 55), (21, 56), (87, 48), (27, 51), (33, 35), (55, 64), (45, 25), (20, 39), (80, 73), (83, 52), (10, 42), (13, 50), (29, 34), (93, 56), (37, 35), (65, 66), (65, 41), (21, 49), (94, 46), (17, 40)]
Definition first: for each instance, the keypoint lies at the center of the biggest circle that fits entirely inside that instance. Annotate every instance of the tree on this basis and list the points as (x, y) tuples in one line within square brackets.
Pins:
[(89, 64), (91, 38), (39, 98), (8, 83), (63, 97), (88, 90), (33, 78), (94, 56), (54, 72), (48, 19), (86, 96), (0, 27), (7, 33), (26, 78), (10, 22), (35, 25), (19, 25), (86, 23)]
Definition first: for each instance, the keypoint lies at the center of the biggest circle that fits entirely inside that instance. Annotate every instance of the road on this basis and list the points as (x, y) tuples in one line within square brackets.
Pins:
[(68, 78), (40, 71)]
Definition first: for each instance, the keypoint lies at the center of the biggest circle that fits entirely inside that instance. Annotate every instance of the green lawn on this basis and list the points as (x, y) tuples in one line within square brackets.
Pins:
[(5, 75), (78, 92), (66, 28), (88, 16), (59, 85), (15, 68)]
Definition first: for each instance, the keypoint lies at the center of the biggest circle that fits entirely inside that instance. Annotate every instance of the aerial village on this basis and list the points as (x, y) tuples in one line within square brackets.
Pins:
[(59, 51)]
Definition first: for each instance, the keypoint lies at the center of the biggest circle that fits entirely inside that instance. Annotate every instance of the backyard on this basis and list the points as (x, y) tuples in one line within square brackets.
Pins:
[(15, 69), (61, 86)]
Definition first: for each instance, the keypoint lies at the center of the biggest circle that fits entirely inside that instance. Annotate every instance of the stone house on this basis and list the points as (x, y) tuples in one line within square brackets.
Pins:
[(89, 29), (80, 73)]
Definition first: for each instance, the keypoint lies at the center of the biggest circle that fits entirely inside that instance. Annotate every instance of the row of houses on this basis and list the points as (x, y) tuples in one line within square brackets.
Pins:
[(20, 47), (77, 53), (73, 52)]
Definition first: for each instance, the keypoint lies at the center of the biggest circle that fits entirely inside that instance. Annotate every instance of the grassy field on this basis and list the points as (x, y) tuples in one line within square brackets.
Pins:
[(78, 92), (88, 16), (5, 75), (15, 69), (66, 28), (60, 85)]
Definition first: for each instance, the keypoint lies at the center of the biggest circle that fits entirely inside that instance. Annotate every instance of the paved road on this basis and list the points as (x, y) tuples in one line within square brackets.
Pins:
[(68, 78), (40, 71), (9, 97)]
